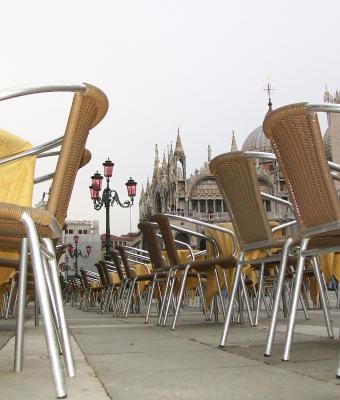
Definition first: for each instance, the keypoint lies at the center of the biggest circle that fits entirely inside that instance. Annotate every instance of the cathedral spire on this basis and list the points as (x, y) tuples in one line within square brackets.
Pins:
[(156, 152), (142, 194), (156, 165), (164, 163), (179, 154), (233, 143), (179, 147), (209, 153), (148, 185)]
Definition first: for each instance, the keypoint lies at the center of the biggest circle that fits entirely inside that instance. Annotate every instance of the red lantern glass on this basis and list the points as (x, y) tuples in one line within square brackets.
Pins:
[(70, 249), (131, 187), (108, 167), (94, 193), (97, 181), (88, 249), (76, 239)]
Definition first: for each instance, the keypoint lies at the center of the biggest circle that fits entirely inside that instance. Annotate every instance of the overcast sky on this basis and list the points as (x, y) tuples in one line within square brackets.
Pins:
[(197, 65)]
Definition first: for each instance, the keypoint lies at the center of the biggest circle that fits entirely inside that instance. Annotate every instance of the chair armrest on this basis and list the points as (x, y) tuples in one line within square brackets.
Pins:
[(277, 200), (192, 254), (283, 226), (137, 255), (140, 263), (84, 160), (210, 226), (270, 156), (136, 249), (200, 235), (33, 151), (11, 93)]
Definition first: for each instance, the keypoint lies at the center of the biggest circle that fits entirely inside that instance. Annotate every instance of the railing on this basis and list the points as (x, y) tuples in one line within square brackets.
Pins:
[(224, 216), (203, 216)]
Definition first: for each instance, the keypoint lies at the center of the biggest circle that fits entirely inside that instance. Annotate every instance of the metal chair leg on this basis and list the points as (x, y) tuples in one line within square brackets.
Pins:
[(259, 293), (219, 292), (21, 302), (163, 303), (129, 298), (169, 299), (246, 297), (51, 340), (275, 309), (64, 335), (294, 302), (232, 301), (150, 297), (323, 299), (180, 296)]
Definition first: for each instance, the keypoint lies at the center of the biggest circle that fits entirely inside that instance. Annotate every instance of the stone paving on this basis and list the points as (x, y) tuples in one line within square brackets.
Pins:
[(125, 359)]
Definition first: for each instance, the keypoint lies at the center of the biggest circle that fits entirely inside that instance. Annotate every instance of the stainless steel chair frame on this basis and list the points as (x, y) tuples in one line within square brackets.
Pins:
[(38, 264), (299, 272)]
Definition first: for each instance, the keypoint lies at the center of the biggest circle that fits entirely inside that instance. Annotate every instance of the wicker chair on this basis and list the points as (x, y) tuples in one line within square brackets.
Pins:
[(160, 269), (296, 139), (27, 224), (237, 179), (194, 268), (132, 279)]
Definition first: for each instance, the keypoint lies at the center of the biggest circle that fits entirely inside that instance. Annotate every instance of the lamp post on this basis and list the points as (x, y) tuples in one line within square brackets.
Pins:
[(66, 266), (109, 198), (74, 252)]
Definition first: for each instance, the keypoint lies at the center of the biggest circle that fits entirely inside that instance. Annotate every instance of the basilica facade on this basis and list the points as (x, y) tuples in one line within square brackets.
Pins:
[(171, 190), (197, 195)]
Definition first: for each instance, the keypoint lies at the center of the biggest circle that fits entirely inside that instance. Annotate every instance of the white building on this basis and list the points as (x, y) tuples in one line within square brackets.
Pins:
[(88, 245)]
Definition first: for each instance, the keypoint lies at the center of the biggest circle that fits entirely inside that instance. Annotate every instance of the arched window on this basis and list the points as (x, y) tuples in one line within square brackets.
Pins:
[(182, 237)]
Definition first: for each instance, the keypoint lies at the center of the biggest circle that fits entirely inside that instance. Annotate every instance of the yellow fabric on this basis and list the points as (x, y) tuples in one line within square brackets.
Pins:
[(114, 278), (184, 256), (5, 287), (330, 265), (141, 269), (16, 182), (225, 244)]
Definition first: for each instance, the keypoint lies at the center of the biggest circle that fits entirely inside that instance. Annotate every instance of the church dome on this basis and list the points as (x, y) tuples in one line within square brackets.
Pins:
[(257, 141), (327, 142)]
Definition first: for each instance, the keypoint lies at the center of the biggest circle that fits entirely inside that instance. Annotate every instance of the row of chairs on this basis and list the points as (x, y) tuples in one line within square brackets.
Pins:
[(298, 148)]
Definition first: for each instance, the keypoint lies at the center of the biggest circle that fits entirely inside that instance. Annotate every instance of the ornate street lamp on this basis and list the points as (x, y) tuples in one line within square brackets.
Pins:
[(74, 252), (109, 198)]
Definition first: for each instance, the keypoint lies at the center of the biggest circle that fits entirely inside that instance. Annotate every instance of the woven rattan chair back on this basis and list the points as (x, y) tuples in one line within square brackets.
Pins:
[(101, 274), (296, 140), (117, 264), (152, 245), (105, 272), (84, 279), (237, 180), (87, 110), (125, 261), (167, 236)]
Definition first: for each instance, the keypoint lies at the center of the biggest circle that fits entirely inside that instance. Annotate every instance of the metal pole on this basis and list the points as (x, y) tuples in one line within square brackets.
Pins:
[(108, 235), (76, 256), (107, 209)]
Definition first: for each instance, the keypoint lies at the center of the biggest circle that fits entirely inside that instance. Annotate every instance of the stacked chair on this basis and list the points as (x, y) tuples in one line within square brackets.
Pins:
[(34, 231)]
